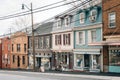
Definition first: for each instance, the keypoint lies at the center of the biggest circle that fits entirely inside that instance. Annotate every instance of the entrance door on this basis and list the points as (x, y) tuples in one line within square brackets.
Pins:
[(38, 61), (18, 59), (86, 60)]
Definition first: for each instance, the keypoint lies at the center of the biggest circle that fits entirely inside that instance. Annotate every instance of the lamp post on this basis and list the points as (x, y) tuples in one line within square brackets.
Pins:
[(33, 46)]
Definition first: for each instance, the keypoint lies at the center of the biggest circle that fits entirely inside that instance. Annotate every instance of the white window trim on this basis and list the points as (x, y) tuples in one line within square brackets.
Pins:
[(109, 19), (59, 23), (90, 36), (66, 25), (82, 20), (77, 38), (92, 17)]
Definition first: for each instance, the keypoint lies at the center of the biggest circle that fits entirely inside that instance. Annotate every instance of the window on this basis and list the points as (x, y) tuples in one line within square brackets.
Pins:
[(25, 49), (67, 21), (79, 60), (23, 59), (66, 39), (59, 23), (13, 58), (30, 42), (93, 15), (18, 47), (80, 37), (114, 56), (112, 21), (36, 42), (12, 47), (47, 41), (41, 42), (57, 39), (93, 36), (82, 18)]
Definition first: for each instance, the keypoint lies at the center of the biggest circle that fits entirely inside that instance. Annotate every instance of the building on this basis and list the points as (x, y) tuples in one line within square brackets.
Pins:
[(87, 31), (0, 53), (62, 36), (19, 46), (43, 46), (6, 52), (111, 35)]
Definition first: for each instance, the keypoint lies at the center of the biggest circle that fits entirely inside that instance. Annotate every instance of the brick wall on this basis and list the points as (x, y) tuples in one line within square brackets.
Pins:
[(111, 6)]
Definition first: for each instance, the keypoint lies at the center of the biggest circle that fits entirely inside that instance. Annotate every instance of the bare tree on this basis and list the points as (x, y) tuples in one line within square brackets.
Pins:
[(21, 23)]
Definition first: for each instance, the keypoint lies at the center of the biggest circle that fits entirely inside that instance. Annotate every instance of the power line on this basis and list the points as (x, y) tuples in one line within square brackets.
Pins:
[(34, 11), (72, 9)]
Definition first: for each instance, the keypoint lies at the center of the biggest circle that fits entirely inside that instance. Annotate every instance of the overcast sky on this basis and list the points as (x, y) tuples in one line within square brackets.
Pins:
[(13, 6)]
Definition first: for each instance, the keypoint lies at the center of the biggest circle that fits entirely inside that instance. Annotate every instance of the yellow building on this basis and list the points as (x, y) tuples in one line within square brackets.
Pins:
[(19, 56)]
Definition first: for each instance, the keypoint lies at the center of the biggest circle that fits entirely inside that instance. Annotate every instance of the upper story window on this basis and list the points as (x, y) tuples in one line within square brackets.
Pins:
[(80, 37), (93, 36), (41, 42), (47, 41), (93, 15), (30, 42), (66, 39), (12, 47), (67, 21), (18, 47), (25, 47), (36, 42), (59, 23), (82, 18), (112, 18), (57, 39)]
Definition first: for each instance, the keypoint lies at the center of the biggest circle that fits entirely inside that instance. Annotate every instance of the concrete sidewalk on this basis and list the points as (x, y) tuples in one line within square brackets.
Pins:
[(66, 74)]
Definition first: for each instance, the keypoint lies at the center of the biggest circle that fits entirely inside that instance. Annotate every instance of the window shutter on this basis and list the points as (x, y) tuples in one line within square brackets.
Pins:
[(69, 38), (63, 39), (77, 37), (60, 39), (89, 36), (55, 39), (83, 37)]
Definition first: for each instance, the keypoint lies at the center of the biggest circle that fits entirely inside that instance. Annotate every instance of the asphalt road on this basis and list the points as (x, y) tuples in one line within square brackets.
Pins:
[(19, 75)]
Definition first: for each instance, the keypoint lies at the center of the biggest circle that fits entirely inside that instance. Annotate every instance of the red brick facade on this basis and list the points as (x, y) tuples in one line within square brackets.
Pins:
[(111, 6), (6, 52)]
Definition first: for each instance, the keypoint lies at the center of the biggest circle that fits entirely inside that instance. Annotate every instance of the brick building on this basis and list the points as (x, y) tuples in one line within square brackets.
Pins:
[(19, 56), (6, 52), (111, 36)]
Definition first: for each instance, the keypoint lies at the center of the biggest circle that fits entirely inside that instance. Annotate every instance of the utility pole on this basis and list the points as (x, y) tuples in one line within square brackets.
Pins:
[(33, 38), (33, 46)]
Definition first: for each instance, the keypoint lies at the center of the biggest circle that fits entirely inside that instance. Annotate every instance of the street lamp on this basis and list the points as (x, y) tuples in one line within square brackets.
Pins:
[(31, 10)]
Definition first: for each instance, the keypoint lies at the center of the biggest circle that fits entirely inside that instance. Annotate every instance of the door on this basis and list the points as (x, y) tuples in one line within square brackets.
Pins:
[(38, 61), (18, 59), (86, 60)]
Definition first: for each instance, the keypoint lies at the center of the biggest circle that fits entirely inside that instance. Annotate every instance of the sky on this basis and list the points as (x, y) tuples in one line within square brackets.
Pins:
[(14, 6)]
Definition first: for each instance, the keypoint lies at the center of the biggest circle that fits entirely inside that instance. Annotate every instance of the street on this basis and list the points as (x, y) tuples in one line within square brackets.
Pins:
[(19, 75)]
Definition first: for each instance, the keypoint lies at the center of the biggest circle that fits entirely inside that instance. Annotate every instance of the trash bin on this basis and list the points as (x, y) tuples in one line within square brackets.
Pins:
[(42, 69)]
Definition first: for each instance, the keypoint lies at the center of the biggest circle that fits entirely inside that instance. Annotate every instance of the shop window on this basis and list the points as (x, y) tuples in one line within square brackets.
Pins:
[(96, 61), (114, 57), (79, 60)]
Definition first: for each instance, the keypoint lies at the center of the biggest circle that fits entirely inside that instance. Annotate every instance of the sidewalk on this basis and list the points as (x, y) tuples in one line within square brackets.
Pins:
[(85, 73), (69, 72)]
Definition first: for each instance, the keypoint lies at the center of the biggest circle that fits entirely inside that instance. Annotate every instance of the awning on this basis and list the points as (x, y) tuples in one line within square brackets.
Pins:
[(104, 43)]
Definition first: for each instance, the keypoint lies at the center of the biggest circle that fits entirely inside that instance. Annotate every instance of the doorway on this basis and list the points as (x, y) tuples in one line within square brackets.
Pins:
[(18, 59), (86, 60)]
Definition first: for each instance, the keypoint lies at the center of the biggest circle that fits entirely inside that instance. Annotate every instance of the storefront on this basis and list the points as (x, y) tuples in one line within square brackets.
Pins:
[(114, 59), (64, 58), (87, 61)]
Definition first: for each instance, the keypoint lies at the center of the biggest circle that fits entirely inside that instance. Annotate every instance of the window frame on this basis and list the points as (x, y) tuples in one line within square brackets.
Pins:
[(109, 20), (82, 20), (93, 16)]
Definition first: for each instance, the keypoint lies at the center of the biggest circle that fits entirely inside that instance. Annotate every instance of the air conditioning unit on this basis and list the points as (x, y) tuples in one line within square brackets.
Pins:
[(92, 18)]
